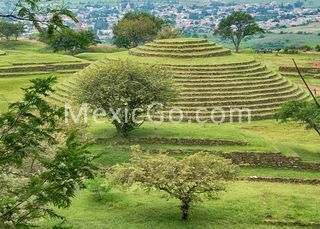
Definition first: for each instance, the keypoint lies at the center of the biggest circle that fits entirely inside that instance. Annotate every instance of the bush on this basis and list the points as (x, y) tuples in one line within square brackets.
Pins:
[(99, 185), (190, 180), (168, 32)]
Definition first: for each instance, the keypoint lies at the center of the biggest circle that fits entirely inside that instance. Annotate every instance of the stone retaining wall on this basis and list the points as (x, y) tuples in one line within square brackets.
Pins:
[(282, 180), (304, 70), (257, 159), (176, 141)]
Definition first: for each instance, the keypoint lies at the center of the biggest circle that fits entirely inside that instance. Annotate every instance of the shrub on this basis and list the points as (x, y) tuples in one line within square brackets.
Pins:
[(168, 32), (99, 186), (191, 179)]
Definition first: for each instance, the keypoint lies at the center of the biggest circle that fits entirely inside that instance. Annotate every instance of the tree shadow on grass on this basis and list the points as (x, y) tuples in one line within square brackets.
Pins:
[(307, 155)]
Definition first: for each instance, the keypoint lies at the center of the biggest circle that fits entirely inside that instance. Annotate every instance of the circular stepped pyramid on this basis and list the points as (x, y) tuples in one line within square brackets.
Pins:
[(182, 48), (213, 83)]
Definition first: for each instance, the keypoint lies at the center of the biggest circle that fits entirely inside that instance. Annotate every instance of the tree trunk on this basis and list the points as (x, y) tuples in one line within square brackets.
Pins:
[(237, 48), (185, 210), (121, 131)]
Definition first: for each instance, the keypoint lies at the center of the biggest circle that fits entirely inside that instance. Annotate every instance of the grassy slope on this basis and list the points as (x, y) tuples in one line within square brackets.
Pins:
[(24, 52), (246, 205), (310, 28), (265, 136), (270, 39)]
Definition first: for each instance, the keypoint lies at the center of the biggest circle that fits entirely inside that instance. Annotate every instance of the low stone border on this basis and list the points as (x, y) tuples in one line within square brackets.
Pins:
[(304, 70), (255, 159), (176, 141), (292, 223), (282, 180)]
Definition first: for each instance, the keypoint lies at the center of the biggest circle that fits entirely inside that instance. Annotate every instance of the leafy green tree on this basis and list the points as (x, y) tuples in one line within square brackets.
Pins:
[(40, 15), (11, 30), (237, 26), (41, 162), (191, 179), (306, 112), (126, 87), (136, 28), (72, 41), (168, 32)]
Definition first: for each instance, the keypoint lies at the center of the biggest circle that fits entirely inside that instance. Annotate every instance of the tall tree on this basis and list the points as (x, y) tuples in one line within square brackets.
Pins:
[(41, 162), (125, 89), (40, 15), (237, 26), (136, 28)]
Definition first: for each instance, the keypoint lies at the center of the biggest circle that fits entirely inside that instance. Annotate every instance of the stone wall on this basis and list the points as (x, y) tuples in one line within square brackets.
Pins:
[(176, 141), (258, 159)]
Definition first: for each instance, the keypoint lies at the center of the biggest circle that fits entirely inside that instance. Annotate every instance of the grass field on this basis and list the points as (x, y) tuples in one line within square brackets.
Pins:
[(245, 205), (274, 40), (310, 28)]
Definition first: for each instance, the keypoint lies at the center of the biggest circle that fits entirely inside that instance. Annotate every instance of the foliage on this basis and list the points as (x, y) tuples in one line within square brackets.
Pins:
[(41, 16), (41, 162), (189, 180), (306, 112), (99, 186), (10, 29), (168, 32), (237, 26), (136, 28), (125, 88), (72, 41)]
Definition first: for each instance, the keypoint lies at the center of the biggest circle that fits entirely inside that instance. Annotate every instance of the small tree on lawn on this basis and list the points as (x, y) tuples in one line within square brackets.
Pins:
[(237, 26), (191, 179), (125, 88)]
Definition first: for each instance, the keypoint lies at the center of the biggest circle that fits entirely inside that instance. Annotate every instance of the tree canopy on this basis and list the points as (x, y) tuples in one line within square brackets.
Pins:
[(136, 28), (41, 162), (41, 16), (72, 41), (8, 29), (237, 26), (306, 112), (127, 87), (191, 179)]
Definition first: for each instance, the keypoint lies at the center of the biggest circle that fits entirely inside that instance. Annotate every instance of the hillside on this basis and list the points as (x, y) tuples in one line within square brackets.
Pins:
[(279, 178), (211, 78)]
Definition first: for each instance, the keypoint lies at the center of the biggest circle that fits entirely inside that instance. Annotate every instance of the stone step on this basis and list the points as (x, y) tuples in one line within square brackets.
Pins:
[(261, 83)]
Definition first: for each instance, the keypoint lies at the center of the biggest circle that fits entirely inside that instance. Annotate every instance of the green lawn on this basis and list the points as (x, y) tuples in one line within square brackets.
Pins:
[(245, 205), (10, 88), (265, 136)]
